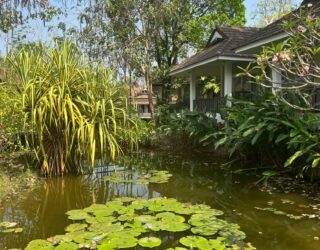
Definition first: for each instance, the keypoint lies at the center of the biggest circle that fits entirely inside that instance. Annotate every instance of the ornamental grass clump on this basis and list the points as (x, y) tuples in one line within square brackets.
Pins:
[(73, 113)]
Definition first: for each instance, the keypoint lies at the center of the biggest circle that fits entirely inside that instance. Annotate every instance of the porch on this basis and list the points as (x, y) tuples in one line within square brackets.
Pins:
[(214, 104), (220, 61), (231, 85)]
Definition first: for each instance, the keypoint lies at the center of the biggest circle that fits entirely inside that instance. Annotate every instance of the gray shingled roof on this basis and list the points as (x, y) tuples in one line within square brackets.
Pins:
[(236, 37), (268, 31), (275, 27), (232, 36)]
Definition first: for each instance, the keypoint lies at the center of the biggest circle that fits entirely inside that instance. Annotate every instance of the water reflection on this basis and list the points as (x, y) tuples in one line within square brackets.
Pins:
[(41, 212)]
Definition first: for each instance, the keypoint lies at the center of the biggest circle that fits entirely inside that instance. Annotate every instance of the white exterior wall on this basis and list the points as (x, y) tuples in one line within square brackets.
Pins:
[(192, 90), (276, 80), (228, 80)]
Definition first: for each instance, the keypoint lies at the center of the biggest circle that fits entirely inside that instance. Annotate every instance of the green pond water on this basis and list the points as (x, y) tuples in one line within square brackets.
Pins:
[(290, 222)]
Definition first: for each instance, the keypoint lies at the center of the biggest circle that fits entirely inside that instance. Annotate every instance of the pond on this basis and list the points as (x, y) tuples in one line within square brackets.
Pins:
[(270, 217)]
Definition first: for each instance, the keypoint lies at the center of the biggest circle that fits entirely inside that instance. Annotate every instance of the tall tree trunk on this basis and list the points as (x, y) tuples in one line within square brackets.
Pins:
[(148, 76)]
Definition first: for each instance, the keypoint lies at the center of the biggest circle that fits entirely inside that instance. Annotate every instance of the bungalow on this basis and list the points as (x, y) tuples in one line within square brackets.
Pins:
[(228, 49), (141, 100)]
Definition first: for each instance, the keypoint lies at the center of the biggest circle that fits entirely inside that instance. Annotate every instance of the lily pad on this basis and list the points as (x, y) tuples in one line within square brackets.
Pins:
[(55, 240), (39, 245), (150, 242), (75, 227), (168, 216), (67, 246), (77, 214), (153, 176), (177, 248), (232, 234), (218, 244), (193, 241), (174, 226), (138, 204), (145, 218), (125, 199), (100, 227), (154, 226), (9, 230), (206, 230), (7, 224), (18, 230), (104, 220), (126, 210), (121, 241), (132, 232), (184, 210), (201, 220), (95, 207), (163, 205), (106, 247), (114, 203), (126, 217), (81, 236)]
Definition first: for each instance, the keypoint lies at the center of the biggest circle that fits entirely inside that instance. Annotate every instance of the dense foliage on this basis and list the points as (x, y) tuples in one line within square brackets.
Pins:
[(263, 130), (72, 112), (269, 11), (193, 126), (295, 61)]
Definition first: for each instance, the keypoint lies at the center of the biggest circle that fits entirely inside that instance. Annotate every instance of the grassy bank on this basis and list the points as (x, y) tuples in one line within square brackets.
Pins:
[(14, 176)]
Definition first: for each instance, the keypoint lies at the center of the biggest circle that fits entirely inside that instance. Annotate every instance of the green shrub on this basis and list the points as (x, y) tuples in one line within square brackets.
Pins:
[(11, 118), (192, 125), (72, 112), (266, 129)]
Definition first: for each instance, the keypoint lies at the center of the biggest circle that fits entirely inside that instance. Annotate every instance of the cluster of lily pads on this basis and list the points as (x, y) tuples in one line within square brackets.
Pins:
[(132, 223), (9, 227), (127, 176)]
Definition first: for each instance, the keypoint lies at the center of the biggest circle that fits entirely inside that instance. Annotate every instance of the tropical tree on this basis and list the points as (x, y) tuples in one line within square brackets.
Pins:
[(73, 113), (15, 14), (296, 61), (145, 38), (268, 11)]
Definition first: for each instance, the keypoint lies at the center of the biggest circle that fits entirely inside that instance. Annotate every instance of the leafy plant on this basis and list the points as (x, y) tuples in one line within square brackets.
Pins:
[(192, 125), (211, 85), (73, 113), (11, 118), (267, 129)]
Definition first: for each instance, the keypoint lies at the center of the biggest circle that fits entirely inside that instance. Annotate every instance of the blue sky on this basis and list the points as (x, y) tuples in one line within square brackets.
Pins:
[(251, 5), (38, 32)]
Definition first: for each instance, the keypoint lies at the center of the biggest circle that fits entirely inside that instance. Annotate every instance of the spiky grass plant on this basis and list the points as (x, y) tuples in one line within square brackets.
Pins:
[(73, 113)]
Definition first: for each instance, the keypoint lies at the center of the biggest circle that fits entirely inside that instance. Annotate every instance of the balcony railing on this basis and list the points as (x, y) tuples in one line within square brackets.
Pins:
[(243, 95), (210, 105)]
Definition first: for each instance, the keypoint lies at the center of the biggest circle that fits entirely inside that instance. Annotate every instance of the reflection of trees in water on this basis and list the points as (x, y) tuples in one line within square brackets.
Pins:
[(42, 212)]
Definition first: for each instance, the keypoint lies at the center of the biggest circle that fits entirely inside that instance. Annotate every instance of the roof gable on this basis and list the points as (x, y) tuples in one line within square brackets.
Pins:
[(231, 36), (214, 38)]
